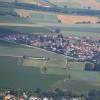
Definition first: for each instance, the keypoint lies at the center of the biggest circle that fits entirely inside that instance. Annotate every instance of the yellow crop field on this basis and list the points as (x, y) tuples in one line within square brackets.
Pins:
[(71, 19)]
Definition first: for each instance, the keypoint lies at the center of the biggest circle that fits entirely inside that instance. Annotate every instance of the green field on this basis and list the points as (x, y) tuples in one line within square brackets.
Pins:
[(98, 0), (44, 18), (36, 17), (78, 30), (69, 4), (33, 30), (7, 10), (15, 75), (12, 19), (7, 0), (8, 15)]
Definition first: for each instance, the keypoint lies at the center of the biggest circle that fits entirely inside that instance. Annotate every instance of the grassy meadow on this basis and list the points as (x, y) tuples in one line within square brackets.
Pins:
[(47, 28), (15, 75)]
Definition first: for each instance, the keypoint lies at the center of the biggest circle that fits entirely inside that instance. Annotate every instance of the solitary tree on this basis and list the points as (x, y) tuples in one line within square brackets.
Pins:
[(57, 30)]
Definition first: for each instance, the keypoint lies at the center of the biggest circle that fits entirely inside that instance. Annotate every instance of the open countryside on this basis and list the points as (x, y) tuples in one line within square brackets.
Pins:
[(49, 50)]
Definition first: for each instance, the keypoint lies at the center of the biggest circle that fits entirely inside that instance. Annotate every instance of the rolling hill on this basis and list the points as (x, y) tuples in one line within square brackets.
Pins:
[(93, 4)]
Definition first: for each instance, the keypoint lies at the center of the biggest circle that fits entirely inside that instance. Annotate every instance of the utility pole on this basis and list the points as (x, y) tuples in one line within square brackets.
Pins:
[(68, 76), (18, 94)]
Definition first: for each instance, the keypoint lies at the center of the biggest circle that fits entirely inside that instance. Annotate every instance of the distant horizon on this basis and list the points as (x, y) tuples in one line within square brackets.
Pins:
[(93, 4)]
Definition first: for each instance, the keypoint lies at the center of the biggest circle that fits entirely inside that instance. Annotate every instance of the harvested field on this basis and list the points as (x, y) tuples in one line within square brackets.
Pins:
[(50, 64), (30, 62), (70, 19), (44, 63), (36, 16), (24, 13), (46, 17)]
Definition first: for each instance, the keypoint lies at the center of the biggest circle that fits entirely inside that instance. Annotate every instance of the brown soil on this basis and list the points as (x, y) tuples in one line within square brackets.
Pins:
[(70, 19)]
